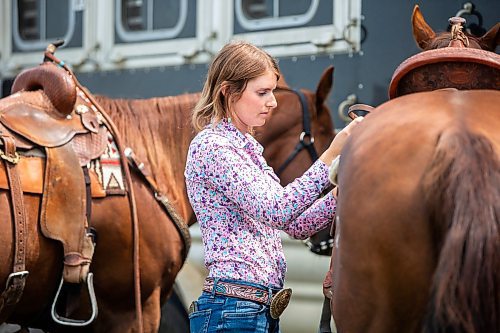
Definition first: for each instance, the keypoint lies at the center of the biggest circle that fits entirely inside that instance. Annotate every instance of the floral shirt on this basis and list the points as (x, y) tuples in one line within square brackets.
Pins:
[(241, 206)]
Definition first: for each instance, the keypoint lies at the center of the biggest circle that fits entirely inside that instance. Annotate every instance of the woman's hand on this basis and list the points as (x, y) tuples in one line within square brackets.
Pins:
[(338, 142)]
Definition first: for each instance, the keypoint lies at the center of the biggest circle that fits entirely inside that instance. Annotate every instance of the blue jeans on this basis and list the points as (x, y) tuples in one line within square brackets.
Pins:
[(219, 313)]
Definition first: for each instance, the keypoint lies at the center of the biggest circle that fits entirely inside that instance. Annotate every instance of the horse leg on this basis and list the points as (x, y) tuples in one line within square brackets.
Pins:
[(151, 311)]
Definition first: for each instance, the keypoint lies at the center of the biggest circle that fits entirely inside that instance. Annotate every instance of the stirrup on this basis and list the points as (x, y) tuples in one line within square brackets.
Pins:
[(76, 322)]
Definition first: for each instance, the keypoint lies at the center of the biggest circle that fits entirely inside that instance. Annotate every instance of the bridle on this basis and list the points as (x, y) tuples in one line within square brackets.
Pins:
[(306, 139)]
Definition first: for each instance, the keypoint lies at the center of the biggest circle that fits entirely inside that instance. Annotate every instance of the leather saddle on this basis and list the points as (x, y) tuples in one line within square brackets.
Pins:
[(56, 131)]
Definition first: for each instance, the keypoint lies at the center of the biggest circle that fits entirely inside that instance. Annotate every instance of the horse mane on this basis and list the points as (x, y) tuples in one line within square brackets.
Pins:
[(156, 129)]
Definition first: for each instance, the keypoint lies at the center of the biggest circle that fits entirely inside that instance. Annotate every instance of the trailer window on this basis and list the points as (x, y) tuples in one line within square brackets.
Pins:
[(146, 20), (33, 23)]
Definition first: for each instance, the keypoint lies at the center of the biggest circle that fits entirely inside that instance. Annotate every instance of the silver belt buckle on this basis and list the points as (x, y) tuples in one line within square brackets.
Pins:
[(279, 302)]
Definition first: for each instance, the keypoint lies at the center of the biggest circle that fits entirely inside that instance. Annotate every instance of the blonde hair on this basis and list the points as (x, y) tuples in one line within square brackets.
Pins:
[(231, 69)]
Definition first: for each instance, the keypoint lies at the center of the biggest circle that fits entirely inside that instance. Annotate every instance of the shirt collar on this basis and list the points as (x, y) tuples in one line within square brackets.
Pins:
[(227, 129)]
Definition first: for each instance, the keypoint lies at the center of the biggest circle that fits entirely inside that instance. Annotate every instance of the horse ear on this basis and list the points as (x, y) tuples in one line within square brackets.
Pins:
[(324, 87), (422, 32), (490, 40)]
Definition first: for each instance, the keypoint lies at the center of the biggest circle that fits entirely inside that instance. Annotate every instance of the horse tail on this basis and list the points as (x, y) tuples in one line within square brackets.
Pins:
[(463, 188)]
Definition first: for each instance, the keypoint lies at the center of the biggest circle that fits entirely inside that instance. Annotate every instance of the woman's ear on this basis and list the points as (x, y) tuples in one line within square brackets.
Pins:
[(223, 88)]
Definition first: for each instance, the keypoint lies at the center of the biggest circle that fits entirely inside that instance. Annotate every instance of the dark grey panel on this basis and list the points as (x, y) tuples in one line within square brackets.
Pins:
[(388, 42), (144, 83)]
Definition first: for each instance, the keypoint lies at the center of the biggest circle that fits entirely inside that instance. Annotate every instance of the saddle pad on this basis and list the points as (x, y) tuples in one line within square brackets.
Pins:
[(108, 168)]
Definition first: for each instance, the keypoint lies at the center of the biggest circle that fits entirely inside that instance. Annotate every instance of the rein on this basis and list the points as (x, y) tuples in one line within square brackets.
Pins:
[(306, 139), (140, 167)]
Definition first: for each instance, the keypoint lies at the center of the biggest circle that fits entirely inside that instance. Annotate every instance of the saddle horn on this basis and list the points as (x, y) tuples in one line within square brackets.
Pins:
[(55, 82)]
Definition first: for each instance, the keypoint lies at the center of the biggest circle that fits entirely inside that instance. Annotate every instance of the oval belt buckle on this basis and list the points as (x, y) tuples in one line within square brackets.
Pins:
[(279, 302)]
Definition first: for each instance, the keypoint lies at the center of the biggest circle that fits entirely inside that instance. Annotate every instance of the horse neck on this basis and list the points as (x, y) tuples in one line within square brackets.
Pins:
[(159, 132)]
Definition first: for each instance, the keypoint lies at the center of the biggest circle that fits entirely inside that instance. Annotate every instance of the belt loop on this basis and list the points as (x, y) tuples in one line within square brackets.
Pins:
[(269, 295), (216, 280)]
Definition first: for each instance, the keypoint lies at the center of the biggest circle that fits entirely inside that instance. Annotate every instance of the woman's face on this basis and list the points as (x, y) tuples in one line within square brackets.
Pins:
[(256, 103)]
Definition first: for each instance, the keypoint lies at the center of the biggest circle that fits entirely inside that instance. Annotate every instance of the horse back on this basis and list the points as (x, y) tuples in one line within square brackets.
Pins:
[(388, 240)]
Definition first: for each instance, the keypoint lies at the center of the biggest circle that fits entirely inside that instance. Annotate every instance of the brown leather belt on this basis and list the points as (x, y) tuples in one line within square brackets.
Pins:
[(277, 299)]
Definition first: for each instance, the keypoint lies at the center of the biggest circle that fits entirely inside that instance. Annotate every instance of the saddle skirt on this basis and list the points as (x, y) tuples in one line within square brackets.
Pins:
[(461, 68)]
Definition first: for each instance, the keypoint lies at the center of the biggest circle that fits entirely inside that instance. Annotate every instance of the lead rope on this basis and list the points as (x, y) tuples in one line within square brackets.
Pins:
[(49, 54)]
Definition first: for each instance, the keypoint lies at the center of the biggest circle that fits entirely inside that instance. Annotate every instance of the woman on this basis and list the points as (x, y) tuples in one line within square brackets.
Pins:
[(238, 200)]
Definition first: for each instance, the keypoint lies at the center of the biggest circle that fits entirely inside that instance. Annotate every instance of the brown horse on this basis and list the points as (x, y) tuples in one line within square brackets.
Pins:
[(158, 130), (417, 246)]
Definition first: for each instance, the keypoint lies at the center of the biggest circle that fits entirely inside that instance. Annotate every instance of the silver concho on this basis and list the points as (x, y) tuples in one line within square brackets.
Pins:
[(279, 302), (81, 109)]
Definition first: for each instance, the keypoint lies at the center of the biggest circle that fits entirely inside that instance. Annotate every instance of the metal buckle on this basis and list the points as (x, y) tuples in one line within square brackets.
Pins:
[(21, 275), (279, 302), (304, 135), (193, 307), (9, 158)]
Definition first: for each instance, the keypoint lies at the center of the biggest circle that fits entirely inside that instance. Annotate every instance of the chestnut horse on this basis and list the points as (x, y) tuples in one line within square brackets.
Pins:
[(417, 245), (159, 131)]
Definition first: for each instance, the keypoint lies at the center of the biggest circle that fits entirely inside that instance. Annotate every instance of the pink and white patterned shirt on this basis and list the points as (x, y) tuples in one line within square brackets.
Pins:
[(241, 206)]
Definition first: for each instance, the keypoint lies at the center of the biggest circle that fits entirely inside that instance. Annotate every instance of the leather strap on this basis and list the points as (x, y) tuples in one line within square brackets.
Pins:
[(179, 223), (326, 317), (326, 311), (359, 110), (306, 139), (17, 279)]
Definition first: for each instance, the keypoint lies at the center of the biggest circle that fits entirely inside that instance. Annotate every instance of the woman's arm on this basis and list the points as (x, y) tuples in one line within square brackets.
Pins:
[(232, 172), (313, 219)]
